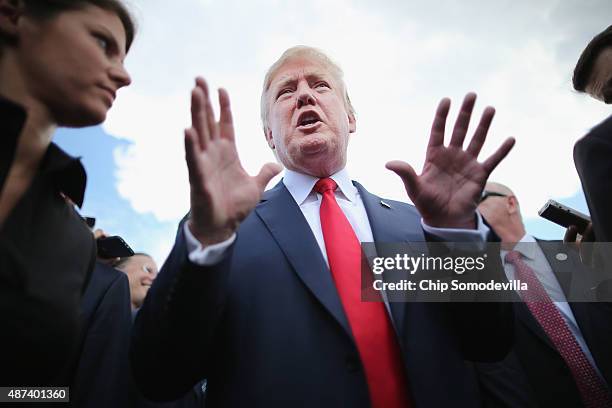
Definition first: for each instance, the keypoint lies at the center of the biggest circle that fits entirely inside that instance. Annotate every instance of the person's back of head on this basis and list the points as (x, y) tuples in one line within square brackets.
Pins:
[(593, 71)]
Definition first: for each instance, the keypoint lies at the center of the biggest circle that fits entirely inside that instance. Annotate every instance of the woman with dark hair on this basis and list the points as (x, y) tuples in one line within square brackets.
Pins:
[(61, 64)]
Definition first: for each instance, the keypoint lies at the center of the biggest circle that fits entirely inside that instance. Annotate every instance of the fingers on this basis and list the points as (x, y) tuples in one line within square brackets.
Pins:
[(406, 173), (570, 234), (98, 233), (437, 128), (267, 172), (203, 115), (481, 131), (586, 245), (198, 117), (588, 235), (226, 123), (463, 120), (191, 155), (491, 163), (208, 110)]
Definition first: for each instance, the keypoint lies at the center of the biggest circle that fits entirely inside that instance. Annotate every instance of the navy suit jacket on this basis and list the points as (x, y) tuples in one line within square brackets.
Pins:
[(593, 159), (266, 327), (534, 374), (101, 373)]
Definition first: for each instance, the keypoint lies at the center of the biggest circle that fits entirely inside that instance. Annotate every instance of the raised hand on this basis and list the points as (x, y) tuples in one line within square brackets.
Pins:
[(222, 193), (449, 187)]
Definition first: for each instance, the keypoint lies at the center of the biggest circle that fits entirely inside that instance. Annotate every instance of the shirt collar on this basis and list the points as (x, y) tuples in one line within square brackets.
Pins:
[(66, 172), (300, 185), (12, 119), (526, 247)]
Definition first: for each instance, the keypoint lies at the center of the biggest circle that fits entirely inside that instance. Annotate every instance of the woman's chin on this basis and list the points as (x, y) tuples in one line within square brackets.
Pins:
[(83, 116)]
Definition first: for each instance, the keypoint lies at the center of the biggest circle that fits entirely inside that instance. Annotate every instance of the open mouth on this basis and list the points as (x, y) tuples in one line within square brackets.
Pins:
[(308, 119)]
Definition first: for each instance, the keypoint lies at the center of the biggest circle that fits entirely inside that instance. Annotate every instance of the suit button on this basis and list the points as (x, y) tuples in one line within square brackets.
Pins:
[(352, 363)]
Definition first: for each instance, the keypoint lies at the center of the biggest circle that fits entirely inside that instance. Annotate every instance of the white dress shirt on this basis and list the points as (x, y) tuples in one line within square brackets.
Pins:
[(534, 257)]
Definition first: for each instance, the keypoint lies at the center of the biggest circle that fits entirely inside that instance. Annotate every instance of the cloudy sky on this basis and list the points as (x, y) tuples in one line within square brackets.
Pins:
[(400, 58)]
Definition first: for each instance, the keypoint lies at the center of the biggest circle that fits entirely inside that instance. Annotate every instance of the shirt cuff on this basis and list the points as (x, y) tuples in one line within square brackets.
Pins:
[(459, 234), (208, 256)]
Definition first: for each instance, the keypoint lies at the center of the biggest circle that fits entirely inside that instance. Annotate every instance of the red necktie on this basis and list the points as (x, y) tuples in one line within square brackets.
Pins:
[(376, 342), (592, 389)]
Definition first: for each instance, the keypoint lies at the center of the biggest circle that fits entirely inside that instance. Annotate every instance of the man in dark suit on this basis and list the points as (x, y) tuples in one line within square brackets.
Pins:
[(592, 156), (562, 355), (261, 293), (593, 75), (141, 271)]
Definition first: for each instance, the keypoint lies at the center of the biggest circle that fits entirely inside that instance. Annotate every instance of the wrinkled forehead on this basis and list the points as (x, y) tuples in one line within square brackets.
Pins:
[(302, 66)]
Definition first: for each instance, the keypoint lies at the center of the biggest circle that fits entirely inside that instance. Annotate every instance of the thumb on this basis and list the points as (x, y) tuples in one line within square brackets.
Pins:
[(267, 172), (406, 173)]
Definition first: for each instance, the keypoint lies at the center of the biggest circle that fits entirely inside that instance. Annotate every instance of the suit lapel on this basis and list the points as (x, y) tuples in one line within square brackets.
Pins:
[(574, 280), (386, 221), (390, 226), (285, 221), (522, 310), (561, 268)]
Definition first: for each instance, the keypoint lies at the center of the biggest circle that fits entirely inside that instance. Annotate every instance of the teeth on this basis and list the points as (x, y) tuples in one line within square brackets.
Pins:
[(308, 121)]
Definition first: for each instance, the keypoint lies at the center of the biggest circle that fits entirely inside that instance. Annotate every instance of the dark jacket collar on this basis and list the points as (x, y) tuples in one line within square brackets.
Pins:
[(67, 172)]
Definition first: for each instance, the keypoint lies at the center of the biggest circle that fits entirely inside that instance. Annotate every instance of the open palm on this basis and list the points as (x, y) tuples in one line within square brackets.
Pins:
[(448, 190), (222, 192)]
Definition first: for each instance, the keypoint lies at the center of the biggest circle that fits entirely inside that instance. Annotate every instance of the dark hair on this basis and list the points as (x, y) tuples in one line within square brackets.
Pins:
[(43, 9), (585, 63)]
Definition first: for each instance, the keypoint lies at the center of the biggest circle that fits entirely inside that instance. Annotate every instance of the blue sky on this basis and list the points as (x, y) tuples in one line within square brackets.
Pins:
[(113, 213)]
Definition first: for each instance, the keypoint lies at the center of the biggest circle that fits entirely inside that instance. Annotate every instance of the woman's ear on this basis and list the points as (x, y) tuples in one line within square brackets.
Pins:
[(10, 12)]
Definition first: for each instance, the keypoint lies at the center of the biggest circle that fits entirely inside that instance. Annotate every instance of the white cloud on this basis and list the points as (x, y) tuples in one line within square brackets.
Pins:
[(398, 62)]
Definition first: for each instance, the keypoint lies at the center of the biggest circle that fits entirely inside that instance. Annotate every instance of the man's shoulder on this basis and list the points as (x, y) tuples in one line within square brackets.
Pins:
[(105, 275), (600, 135), (105, 281), (552, 245)]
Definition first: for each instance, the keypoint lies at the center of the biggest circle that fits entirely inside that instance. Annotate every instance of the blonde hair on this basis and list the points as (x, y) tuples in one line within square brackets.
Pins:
[(299, 51)]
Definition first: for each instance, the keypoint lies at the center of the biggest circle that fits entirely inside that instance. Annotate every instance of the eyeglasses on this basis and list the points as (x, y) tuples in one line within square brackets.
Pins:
[(487, 194)]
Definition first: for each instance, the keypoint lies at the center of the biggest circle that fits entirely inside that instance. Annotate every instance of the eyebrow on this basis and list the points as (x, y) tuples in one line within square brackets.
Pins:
[(291, 80)]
